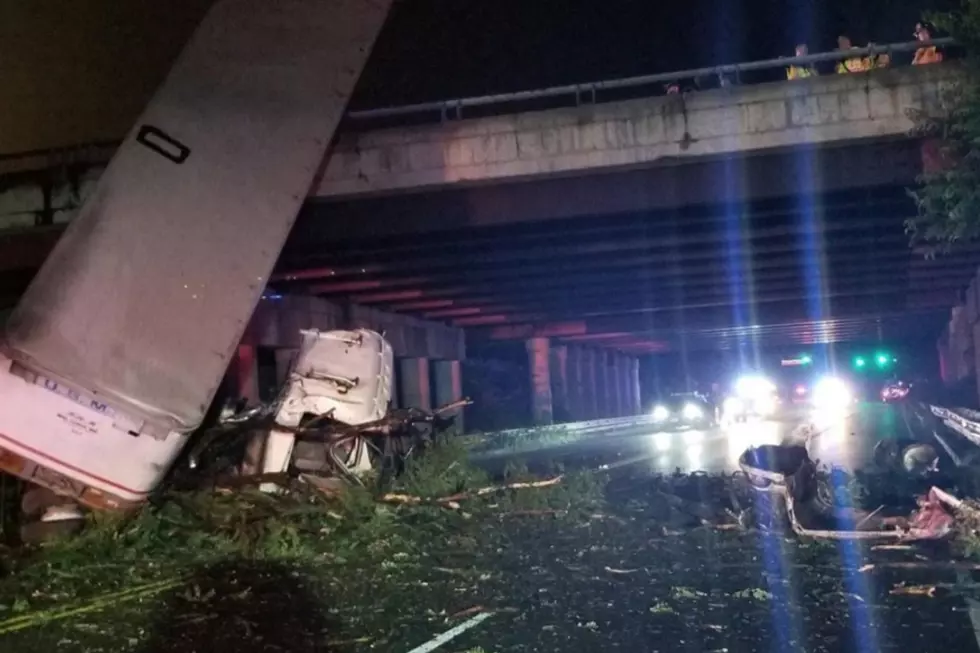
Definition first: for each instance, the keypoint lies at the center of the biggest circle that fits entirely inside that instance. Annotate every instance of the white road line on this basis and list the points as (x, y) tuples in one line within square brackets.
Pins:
[(453, 633)]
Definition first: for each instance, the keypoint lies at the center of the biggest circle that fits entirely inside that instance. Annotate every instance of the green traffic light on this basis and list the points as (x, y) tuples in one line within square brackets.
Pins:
[(806, 360), (860, 362)]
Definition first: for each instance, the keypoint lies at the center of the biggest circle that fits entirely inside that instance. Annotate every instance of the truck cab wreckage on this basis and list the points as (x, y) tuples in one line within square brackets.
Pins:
[(114, 355)]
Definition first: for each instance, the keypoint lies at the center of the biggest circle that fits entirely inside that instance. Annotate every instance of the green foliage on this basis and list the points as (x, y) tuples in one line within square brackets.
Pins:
[(948, 200), (328, 537), (442, 471)]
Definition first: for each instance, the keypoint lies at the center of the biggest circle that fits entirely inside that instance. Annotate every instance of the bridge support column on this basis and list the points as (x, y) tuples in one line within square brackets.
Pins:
[(413, 383), (607, 394), (576, 378), (599, 369), (615, 384), (448, 382), (625, 396), (246, 374), (635, 385), (590, 396), (559, 383), (539, 361)]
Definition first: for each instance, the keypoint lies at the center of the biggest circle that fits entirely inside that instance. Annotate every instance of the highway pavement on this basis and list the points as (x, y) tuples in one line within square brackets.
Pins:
[(844, 438)]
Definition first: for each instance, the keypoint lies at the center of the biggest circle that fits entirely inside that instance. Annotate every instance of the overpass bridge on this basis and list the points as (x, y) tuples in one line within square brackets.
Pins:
[(764, 213), (768, 214), (666, 130)]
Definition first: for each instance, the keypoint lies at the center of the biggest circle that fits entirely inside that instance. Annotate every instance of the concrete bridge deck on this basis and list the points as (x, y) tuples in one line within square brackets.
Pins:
[(832, 109)]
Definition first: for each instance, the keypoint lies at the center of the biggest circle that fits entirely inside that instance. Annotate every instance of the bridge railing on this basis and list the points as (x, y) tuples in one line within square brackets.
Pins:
[(585, 93)]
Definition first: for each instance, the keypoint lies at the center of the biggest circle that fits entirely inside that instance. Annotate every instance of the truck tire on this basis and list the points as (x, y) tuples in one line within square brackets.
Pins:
[(38, 532)]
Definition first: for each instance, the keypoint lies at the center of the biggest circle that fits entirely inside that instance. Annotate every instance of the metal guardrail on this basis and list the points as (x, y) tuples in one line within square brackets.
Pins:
[(453, 108), (963, 421)]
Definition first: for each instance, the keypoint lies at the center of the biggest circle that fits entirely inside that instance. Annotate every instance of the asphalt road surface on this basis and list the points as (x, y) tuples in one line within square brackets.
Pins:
[(845, 438), (809, 595)]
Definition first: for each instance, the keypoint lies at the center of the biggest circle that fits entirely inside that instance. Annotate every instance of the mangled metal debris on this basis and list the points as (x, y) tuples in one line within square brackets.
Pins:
[(788, 475), (332, 418)]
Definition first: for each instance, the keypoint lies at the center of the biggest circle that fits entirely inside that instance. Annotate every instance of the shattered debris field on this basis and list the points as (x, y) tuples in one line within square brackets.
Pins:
[(591, 561)]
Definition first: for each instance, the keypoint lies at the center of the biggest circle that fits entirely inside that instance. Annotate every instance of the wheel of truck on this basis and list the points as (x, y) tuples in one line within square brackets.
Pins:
[(47, 515), (38, 532), (35, 500)]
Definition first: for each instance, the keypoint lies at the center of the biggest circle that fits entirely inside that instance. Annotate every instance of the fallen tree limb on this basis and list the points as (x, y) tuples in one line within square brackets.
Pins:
[(410, 499), (914, 590), (938, 564)]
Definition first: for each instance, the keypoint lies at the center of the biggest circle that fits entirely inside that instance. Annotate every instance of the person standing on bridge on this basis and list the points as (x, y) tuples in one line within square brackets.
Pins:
[(928, 54), (854, 64), (801, 72)]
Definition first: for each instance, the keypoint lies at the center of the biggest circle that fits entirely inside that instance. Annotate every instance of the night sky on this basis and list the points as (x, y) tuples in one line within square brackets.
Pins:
[(438, 49)]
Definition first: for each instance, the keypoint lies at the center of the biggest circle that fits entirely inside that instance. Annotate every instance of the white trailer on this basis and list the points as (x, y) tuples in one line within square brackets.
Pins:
[(116, 350)]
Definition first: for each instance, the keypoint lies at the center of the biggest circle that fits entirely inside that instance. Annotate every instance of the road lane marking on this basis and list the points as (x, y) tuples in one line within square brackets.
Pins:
[(451, 634)]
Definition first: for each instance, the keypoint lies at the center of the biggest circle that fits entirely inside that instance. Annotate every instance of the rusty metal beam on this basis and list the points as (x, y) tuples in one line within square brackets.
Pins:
[(857, 246), (564, 247), (646, 287), (675, 320), (599, 300), (620, 226)]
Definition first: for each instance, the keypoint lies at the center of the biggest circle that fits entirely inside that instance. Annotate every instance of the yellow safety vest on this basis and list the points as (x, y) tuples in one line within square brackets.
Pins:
[(854, 65), (800, 72)]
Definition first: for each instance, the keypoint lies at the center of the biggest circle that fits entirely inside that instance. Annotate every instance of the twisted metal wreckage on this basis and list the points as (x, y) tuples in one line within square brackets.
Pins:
[(803, 493), (332, 418)]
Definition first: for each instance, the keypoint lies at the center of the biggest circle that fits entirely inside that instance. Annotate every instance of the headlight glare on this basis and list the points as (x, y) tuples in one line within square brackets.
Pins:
[(692, 411), (832, 392)]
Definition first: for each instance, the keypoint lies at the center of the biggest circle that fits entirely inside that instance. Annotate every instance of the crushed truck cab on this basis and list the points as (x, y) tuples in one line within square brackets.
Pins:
[(342, 375)]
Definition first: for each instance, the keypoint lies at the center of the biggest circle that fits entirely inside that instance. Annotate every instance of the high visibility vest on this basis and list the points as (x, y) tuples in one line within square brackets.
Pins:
[(854, 65), (800, 72), (927, 55)]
